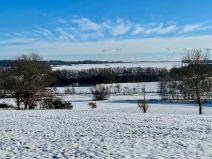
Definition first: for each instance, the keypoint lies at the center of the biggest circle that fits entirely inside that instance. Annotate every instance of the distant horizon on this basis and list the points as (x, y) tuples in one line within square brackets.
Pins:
[(131, 57), (89, 60)]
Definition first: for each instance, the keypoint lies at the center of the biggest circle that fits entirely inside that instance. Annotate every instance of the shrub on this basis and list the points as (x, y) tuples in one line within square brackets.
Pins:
[(143, 106), (57, 103), (100, 92), (47, 103), (5, 106), (68, 105), (92, 105)]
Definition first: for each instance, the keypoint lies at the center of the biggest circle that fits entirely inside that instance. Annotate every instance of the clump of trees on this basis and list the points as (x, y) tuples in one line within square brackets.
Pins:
[(100, 92), (26, 79), (190, 82), (51, 101)]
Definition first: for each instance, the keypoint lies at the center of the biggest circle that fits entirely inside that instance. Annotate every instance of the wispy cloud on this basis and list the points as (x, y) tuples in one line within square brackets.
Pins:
[(195, 27), (161, 29), (64, 35), (85, 24), (43, 31), (113, 28), (84, 29), (82, 35), (138, 29), (121, 27)]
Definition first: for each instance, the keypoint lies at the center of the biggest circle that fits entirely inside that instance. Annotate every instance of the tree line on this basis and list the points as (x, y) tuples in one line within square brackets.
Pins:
[(108, 75)]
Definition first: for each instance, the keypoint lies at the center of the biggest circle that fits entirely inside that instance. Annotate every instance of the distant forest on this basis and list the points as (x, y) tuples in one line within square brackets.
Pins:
[(108, 75), (121, 75), (6, 63)]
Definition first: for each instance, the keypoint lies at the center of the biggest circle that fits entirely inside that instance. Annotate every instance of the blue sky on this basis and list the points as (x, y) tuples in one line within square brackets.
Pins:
[(58, 29)]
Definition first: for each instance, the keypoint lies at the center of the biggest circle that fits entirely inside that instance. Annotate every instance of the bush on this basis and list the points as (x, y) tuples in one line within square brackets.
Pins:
[(57, 104), (68, 105), (92, 105), (47, 104), (5, 106), (100, 92), (143, 106)]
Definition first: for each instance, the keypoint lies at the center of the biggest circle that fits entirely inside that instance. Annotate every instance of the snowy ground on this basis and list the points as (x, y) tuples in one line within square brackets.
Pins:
[(116, 129), (149, 87), (167, 65)]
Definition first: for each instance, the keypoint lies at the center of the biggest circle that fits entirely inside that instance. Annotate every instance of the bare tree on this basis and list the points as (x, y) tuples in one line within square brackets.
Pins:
[(163, 90), (70, 90), (142, 103), (143, 106), (117, 88), (196, 72)]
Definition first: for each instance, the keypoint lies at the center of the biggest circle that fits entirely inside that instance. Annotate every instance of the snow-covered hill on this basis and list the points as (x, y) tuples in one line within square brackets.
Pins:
[(113, 130)]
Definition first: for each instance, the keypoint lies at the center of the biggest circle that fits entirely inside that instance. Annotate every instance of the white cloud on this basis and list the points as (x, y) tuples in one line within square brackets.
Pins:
[(160, 29), (195, 27), (137, 30), (84, 29), (114, 28), (85, 24), (64, 35), (43, 31), (191, 27), (121, 27)]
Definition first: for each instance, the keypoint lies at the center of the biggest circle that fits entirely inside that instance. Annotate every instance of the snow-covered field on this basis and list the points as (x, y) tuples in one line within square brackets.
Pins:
[(167, 65), (149, 87), (116, 129)]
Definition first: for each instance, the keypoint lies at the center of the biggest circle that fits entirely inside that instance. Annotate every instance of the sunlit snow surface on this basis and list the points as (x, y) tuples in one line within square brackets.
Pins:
[(116, 129), (167, 65)]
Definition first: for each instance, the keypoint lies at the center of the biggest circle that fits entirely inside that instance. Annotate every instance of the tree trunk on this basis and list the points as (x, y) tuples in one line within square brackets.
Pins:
[(26, 101), (25, 105), (198, 97), (18, 101), (200, 105)]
